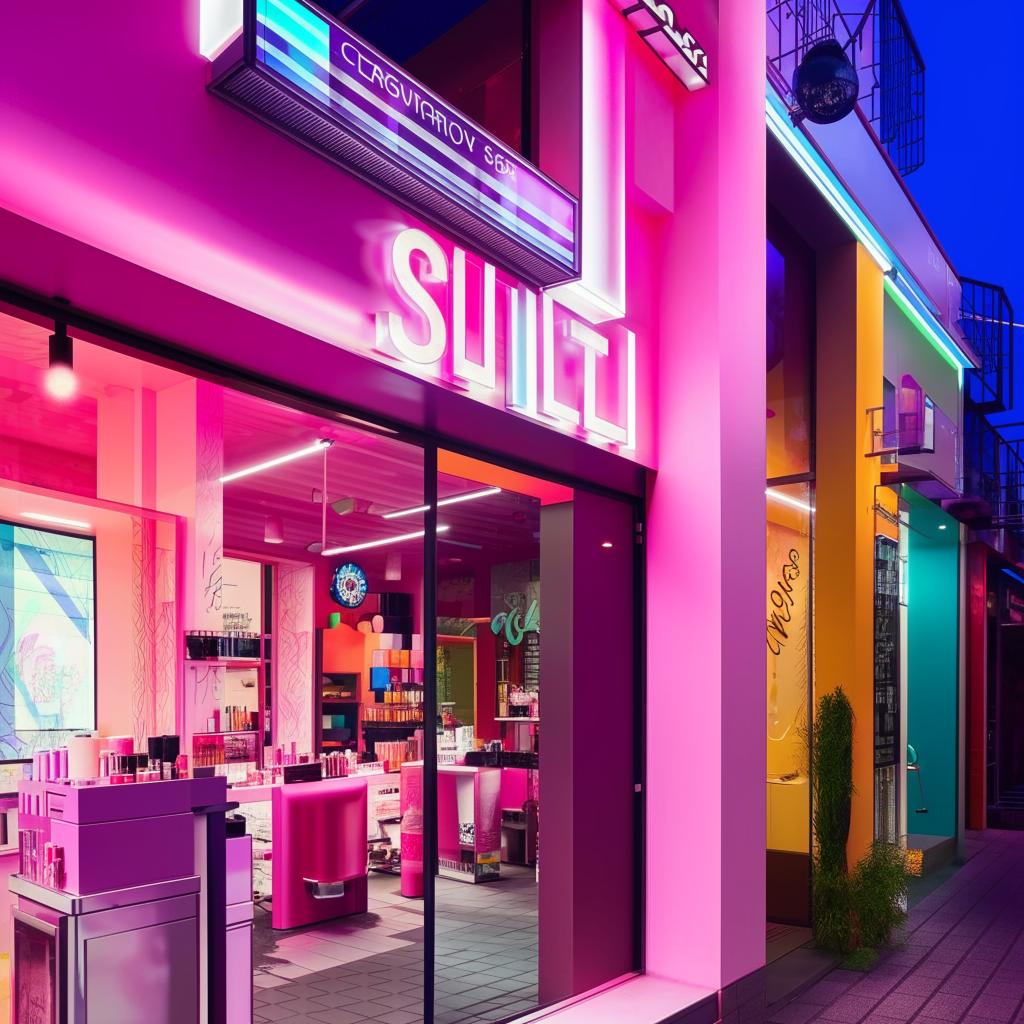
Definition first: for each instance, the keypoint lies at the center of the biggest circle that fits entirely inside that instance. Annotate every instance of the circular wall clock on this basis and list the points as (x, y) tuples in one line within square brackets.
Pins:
[(348, 586)]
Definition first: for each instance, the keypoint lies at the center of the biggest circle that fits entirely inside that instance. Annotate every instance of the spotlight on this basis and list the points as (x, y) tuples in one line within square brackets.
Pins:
[(60, 377), (825, 83), (273, 530)]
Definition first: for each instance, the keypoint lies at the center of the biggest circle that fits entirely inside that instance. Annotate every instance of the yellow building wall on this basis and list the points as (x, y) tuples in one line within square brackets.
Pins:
[(849, 382)]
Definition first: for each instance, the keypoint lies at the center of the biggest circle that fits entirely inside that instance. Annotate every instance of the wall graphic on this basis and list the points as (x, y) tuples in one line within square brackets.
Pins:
[(293, 635), (786, 638), (47, 638)]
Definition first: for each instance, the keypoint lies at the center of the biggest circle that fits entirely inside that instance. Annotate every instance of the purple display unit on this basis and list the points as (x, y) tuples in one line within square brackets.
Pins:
[(138, 933)]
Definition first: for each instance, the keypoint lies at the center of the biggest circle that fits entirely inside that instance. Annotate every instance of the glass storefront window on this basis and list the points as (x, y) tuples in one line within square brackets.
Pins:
[(252, 579), (789, 366)]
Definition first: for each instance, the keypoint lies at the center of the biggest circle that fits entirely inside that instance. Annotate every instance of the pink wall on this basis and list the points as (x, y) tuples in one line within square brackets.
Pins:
[(706, 686), (212, 210)]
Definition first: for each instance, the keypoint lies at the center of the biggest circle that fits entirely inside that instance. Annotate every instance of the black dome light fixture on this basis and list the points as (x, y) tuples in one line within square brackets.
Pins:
[(825, 83)]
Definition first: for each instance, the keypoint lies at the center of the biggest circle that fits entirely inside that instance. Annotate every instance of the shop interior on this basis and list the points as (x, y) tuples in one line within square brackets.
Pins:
[(181, 560)]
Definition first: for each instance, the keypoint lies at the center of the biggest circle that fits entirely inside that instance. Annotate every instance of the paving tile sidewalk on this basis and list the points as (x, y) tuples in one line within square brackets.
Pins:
[(961, 960)]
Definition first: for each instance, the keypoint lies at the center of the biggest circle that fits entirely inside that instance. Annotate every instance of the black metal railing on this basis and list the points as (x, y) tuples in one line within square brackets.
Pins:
[(986, 319), (884, 52)]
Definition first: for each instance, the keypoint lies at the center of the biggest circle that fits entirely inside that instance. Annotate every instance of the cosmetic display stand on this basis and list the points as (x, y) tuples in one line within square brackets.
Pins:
[(469, 823), (137, 931)]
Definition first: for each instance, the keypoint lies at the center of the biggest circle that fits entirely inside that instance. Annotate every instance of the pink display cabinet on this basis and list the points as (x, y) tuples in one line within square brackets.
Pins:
[(469, 823), (319, 839), (120, 941)]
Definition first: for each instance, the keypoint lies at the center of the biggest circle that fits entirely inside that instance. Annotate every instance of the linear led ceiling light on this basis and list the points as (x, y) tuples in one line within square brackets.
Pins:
[(455, 499), (916, 310), (785, 499), (820, 174), (364, 545), (41, 517), (810, 161), (322, 445)]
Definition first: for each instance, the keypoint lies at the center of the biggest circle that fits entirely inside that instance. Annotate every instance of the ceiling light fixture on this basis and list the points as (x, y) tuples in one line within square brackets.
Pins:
[(61, 381), (279, 460), (41, 517), (273, 530), (785, 499), (366, 544), (606, 544), (455, 499)]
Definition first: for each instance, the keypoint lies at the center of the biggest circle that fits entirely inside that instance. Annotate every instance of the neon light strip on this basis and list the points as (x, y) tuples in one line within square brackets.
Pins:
[(838, 197), (41, 517), (328, 94), (454, 500), (308, 50), (785, 499), (1013, 575), (924, 320), (397, 538), (312, 449)]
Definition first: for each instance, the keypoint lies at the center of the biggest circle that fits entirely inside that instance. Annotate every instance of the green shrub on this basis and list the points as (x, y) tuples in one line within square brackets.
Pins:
[(878, 894), (832, 910), (832, 764), (863, 958)]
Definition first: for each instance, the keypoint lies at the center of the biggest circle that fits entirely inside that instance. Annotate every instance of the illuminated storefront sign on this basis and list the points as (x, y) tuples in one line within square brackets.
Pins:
[(499, 335), (308, 75), (657, 25)]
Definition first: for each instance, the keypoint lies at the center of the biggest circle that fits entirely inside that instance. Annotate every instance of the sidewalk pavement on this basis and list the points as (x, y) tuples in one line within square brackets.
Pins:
[(961, 960)]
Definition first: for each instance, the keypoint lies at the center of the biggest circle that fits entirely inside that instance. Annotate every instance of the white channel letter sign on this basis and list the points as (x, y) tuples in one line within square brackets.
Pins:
[(431, 338), (658, 26)]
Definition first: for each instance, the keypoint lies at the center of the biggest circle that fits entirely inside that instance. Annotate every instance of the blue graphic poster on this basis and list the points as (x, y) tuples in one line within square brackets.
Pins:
[(47, 638)]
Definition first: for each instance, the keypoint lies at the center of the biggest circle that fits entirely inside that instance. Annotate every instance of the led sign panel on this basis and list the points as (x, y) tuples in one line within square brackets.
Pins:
[(311, 77)]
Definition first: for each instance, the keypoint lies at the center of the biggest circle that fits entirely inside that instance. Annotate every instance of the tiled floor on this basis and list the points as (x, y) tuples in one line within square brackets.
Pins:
[(369, 969), (962, 959)]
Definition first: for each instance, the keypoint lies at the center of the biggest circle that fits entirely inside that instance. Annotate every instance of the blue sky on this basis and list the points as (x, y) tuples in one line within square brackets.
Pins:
[(971, 187)]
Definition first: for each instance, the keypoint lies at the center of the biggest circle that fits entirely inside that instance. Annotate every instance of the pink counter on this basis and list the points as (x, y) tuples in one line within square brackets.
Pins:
[(319, 840)]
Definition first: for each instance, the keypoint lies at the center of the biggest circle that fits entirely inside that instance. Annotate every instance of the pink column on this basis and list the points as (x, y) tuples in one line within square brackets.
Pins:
[(190, 462), (294, 656), (706, 528)]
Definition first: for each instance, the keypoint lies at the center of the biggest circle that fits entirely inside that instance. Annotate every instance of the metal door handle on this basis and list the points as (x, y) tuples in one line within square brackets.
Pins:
[(324, 890)]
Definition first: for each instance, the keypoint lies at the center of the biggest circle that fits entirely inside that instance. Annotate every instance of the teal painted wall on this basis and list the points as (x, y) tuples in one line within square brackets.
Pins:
[(932, 625)]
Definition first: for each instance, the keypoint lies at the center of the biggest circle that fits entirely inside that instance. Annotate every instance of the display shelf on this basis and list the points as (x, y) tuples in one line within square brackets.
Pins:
[(393, 725), (521, 719), (225, 662), (227, 732)]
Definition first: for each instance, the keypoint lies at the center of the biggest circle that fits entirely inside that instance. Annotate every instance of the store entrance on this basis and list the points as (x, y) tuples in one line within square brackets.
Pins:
[(348, 632)]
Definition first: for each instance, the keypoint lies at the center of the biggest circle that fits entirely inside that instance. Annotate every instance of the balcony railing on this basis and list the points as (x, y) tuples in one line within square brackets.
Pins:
[(887, 59), (986, 318)]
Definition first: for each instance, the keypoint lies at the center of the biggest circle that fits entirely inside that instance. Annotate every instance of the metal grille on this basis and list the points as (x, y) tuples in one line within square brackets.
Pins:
[(986, 319), (886, 57)]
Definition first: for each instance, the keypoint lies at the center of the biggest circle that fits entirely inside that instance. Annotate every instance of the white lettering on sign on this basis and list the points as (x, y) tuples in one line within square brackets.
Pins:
[(541, 371), (656, 25)]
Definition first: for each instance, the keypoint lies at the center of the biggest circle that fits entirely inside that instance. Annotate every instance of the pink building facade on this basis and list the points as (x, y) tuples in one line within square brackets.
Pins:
[(151, 214)]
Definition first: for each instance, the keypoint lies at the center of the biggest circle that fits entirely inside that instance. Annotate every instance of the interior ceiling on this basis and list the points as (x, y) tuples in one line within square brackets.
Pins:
[(379, 472)]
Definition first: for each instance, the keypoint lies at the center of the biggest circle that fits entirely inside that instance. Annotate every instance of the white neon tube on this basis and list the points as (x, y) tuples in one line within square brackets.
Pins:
[(397, 538), (312, 449), (785, 499), (455, 499), (41, 517)]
